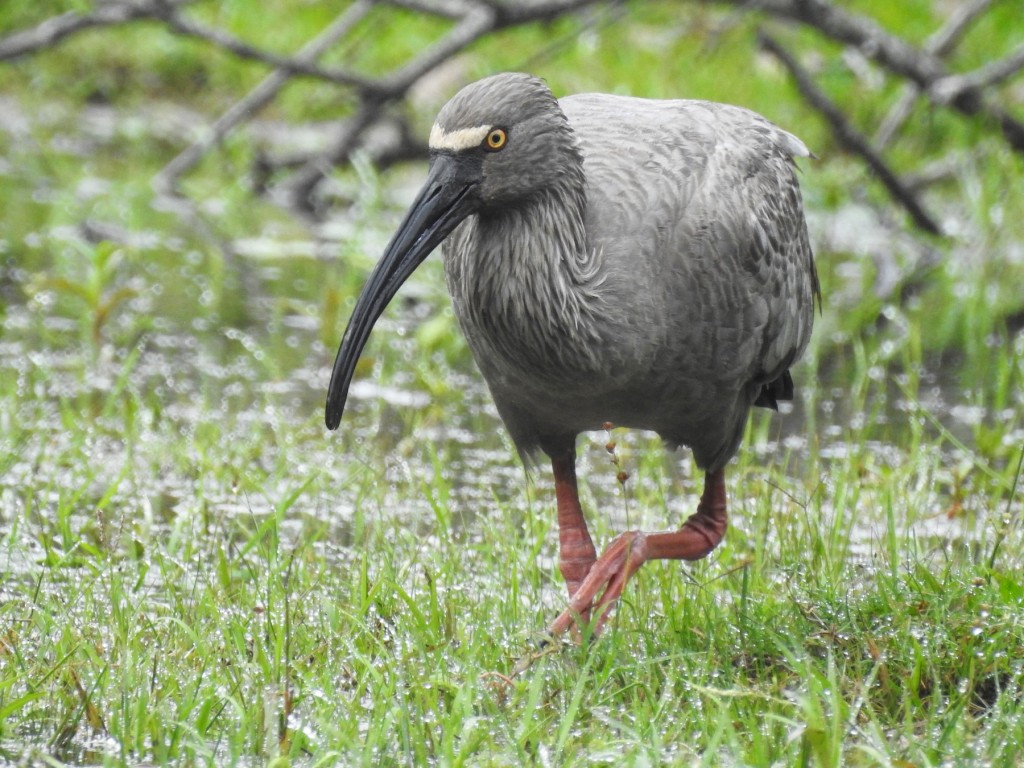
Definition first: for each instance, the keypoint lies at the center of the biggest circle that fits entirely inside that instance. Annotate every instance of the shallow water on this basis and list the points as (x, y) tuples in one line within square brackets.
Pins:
[(195, 372), (208, 383), (229, 356)]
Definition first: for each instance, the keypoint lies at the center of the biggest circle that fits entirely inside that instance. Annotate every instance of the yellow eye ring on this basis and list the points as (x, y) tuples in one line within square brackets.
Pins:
[(496, 139)]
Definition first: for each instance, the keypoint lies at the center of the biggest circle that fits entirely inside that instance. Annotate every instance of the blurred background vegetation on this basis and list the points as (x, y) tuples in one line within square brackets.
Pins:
[(168, 327), (91, 120)]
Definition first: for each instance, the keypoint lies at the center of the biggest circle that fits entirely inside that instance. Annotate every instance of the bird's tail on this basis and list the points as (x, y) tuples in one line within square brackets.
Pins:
[(775, 390)]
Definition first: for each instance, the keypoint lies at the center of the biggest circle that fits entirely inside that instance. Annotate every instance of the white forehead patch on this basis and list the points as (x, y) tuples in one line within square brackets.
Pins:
[(457, 140)]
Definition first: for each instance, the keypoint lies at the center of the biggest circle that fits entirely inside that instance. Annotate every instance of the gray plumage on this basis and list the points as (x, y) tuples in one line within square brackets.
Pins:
[(644, 263), (610, 259)]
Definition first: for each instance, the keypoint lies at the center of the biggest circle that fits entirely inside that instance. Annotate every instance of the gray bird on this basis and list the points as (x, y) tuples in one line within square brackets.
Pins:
[(610, 260)]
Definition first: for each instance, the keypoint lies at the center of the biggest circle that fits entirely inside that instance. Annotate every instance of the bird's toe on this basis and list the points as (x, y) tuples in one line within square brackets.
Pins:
[(605, 582)]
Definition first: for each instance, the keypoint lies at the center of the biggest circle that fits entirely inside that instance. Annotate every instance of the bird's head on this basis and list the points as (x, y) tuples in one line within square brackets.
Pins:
[(508, 135), (498, 143)]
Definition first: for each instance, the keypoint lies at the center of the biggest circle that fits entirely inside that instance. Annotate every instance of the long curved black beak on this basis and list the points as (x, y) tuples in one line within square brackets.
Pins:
[(448, 196)]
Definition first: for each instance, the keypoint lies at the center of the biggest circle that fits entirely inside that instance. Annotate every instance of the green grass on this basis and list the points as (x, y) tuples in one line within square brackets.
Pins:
[(336, 614), (193, 571)]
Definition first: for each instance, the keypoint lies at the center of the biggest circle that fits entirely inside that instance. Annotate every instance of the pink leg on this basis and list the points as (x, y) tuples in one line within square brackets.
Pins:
[(575, 547), (700, 534)]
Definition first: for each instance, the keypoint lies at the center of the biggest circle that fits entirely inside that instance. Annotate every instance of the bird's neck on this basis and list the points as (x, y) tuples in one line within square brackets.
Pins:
[(524, 276)]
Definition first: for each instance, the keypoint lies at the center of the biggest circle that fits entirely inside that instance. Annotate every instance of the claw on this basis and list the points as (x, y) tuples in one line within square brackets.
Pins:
[(604, 583), (701, 533)]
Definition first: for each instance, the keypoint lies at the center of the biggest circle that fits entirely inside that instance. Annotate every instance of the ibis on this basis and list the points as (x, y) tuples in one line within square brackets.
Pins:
[(610, 259)]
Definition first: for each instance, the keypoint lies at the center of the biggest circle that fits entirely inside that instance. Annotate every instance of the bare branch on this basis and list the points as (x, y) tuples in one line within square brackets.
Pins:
[(475, 19), (876, 43), (505, 13), (54, 30), (942, 43), (523, 11), (849, 136), (298, 190), (897, 116), (371, 95), (940, 170), (895, 54), (479, 19), (449, 9), (242, 49), (471, 28), (167, 179), (300, 187), (948, 89)]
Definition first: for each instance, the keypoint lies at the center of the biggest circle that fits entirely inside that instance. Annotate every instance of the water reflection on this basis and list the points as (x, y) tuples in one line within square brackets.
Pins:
[(220, 385)]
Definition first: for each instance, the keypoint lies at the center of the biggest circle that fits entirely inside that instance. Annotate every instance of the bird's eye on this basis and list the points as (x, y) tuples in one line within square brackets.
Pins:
[(496, 139)]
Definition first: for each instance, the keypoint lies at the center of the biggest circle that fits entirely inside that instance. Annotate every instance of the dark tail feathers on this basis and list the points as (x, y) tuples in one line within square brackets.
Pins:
[(775, 390)]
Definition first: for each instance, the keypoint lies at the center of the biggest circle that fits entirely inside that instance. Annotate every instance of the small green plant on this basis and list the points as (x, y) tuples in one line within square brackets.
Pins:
[(99, 288)]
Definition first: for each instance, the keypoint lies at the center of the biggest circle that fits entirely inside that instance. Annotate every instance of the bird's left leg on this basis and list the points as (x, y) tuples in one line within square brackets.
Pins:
[(576, 553), (700, 534)]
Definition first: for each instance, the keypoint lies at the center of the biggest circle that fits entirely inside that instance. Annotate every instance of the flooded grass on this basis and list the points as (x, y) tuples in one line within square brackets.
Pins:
[(194, 571)]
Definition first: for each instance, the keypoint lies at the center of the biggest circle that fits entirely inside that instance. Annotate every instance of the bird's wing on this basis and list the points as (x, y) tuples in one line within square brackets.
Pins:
[(700, 206)]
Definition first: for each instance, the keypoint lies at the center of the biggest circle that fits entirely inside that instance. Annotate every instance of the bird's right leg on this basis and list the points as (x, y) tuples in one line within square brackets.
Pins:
[(700, 533), (576, 553)]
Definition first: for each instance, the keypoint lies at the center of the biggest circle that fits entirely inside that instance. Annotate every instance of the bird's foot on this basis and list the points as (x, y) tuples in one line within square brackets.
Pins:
[(575, 572), (700, 534), (604, 583)]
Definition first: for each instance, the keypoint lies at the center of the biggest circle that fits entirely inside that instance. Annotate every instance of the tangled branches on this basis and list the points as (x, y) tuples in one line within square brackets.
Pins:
[(372, 126)]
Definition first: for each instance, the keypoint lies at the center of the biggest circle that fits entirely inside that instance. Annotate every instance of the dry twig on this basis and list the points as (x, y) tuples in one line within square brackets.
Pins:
[(54, 30), (923, 68), (167, 179), (949, 89), (941, 44), (371, 96), (849, 136)]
